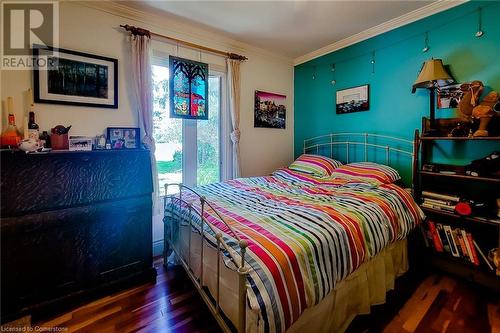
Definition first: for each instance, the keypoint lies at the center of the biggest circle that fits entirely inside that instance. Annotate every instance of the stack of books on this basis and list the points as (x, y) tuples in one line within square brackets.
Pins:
[(455, 241), (437, 201)]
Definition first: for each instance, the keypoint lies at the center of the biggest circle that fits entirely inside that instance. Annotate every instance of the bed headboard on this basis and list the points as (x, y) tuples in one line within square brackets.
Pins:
[(399, 153)]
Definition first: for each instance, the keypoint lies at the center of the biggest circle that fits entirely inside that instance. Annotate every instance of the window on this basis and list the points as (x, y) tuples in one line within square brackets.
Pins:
[(188, 151)]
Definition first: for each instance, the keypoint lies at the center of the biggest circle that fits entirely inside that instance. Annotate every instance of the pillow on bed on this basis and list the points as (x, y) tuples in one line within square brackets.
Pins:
[(367, 171), (319, 166)]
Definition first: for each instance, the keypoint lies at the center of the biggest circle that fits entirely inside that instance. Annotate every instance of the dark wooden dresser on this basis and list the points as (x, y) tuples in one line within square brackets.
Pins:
[(74, 225)]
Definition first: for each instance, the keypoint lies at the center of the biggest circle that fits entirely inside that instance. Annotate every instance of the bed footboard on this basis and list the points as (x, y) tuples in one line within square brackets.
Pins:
[(180, 213)]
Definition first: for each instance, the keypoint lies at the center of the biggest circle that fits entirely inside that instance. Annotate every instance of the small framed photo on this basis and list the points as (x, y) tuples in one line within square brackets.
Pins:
[(79, 143), (353, 99), (449, 96), (124, 137)]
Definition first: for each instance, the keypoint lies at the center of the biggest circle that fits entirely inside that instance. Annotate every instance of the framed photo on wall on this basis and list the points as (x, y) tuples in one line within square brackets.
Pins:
[(124, 137), (353, 99), (75, 78), (269, 110), (449, 96)]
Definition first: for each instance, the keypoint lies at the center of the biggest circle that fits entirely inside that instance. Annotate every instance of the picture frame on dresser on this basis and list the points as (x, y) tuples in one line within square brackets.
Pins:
[(124, 137), (74, 78)]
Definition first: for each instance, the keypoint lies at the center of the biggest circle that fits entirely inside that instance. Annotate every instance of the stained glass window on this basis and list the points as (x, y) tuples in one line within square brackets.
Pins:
[(189, 89)]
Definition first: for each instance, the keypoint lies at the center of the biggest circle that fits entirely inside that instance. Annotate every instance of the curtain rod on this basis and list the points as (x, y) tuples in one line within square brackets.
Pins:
[(143, 32)]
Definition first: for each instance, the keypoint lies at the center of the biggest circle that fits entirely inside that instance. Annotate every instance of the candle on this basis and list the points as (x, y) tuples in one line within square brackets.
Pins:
[(30, 99), (25, 128), (9, 105)]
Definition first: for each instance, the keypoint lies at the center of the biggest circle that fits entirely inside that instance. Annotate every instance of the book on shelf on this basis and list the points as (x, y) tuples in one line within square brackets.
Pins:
[(475, 258), (445, 203), (444, 208), (440, 196), (442, 237), (441, 202), (454, 241), (467, 245), (438, 245), (449, 236), (461, 241)]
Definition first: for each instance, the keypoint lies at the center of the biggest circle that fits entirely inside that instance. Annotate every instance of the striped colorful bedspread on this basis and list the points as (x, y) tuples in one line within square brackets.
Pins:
[(305, 234)]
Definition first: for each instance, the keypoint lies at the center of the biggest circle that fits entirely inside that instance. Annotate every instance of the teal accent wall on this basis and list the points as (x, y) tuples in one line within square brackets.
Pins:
[(394, 110)]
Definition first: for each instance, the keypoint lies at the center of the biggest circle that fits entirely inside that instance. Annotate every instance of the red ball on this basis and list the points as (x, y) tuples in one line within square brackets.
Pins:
[(463, 208)]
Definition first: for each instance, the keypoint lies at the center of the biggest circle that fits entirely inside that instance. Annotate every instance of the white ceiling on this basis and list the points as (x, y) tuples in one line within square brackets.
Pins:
[(289, 28)]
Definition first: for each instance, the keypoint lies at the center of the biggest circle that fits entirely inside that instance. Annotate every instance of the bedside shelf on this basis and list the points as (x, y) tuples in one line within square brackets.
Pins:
[(459, 176), (484, 231), (464, 218)]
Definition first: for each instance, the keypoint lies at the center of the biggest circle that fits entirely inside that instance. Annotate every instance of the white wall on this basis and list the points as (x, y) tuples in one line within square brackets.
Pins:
[(97, 31)]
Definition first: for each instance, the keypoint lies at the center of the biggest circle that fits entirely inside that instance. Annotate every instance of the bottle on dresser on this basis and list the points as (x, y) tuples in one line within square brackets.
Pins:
[(33, 128), (10, 137)]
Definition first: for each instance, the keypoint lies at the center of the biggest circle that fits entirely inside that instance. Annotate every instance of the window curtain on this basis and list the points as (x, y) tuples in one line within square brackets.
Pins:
[(233, 84), (143, 86)]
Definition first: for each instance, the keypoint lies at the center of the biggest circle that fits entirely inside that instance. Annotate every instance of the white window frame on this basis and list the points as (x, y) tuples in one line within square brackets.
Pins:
[(189, 129), (226, 147)]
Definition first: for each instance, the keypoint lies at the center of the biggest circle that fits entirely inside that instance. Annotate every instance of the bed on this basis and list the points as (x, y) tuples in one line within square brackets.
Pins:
[(292, 250)]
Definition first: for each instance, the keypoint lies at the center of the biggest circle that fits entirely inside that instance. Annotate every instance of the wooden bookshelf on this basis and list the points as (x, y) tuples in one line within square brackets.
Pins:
[(486, 231)]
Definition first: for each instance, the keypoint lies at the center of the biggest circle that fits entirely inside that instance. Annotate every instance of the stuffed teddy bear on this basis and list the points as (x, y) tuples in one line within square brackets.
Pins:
[(471, 108), (471, 93), (484, 112)]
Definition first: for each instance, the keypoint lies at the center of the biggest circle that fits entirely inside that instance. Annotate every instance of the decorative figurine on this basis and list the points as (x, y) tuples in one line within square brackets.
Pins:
[(30, 145), (494, 256), (459, 131)]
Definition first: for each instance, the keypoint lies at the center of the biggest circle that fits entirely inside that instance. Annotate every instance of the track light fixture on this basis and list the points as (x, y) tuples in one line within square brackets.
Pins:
[(426, 43), (479, 32), (373, 62), (333, 75)]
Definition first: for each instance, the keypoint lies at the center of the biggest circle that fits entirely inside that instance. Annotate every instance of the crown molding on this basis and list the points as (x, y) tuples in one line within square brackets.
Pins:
[(175, 28), (418, 14)]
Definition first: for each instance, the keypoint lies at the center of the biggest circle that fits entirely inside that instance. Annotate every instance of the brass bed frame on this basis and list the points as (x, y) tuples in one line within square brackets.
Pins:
[(317, 145)]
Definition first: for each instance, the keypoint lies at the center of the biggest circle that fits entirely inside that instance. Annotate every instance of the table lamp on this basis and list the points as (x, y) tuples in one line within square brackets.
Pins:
[(432, 75)]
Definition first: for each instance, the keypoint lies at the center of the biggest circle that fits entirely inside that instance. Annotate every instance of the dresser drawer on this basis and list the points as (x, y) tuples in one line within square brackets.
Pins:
[(32, 183)]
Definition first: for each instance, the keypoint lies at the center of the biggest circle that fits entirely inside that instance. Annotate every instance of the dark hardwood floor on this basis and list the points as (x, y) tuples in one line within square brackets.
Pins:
[(423, 303)]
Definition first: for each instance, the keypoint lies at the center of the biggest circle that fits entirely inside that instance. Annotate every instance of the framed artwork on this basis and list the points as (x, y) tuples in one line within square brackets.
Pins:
[(269, 110), (353, 99), (75, 78), (449, 96), (188, 88), (124, 137)]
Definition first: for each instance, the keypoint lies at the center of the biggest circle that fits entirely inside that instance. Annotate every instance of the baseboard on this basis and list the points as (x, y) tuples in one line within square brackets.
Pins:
[(158, 248)]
